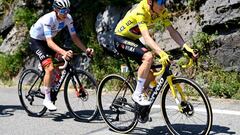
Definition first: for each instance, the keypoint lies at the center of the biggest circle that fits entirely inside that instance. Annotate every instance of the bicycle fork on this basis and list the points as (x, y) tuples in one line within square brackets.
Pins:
[(174, 93)]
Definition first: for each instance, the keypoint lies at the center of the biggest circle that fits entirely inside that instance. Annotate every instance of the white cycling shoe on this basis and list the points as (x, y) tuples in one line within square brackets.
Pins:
[(141, 99), (50, 106)]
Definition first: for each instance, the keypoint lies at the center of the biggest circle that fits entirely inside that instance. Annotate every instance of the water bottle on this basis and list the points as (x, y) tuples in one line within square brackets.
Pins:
[(124, 68), (151, 87)]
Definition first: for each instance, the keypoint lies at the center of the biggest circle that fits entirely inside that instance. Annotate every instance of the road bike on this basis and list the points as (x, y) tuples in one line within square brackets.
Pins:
[(184, 105), (79, 91)]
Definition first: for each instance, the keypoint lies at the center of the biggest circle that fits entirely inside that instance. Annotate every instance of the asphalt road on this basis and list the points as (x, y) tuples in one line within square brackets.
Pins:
[(15, 121)]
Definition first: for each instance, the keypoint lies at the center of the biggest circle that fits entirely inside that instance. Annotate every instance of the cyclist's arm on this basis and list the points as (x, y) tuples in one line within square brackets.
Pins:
[(150, 42), (54, 46), (78, 42), (140, 18), (74, 35), (178, 39), (175, 35)]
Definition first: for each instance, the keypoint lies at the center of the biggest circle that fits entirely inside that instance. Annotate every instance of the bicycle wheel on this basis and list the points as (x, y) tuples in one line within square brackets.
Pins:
[(80, 95), (115, 104), (29, 93), (192, 116)]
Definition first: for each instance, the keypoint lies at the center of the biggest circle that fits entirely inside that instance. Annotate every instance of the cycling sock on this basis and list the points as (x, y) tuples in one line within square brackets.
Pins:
[(47, 93), (139, 87)]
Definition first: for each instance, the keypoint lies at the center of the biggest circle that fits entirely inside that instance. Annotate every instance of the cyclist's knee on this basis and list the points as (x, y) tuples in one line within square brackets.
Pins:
[(48, 65), (148, 57)]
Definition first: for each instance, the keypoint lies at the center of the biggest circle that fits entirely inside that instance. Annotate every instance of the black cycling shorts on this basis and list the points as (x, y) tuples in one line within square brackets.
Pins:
[(41, 49), (130, 48)]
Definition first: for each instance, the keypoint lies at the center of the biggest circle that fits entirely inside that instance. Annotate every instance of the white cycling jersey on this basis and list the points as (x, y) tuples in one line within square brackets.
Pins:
[(48, 26)]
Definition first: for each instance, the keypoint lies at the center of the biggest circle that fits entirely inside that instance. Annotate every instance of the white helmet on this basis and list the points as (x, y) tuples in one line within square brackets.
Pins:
[(59, 4)]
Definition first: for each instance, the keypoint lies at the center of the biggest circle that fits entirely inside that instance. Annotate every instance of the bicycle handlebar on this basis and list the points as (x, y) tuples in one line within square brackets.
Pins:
[(64, 65), (164, 65), (84, 56)]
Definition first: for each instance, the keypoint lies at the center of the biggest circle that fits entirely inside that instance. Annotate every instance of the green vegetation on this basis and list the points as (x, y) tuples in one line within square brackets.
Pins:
[(7, 1), (10, 65), (220, 83), (1, 40), (25, 16), (212, 78), (202, 41)]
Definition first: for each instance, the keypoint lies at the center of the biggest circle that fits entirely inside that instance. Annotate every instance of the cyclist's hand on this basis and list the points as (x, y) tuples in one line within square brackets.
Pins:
[(89, 52), (165, 56), (68, 55), (191, 53)]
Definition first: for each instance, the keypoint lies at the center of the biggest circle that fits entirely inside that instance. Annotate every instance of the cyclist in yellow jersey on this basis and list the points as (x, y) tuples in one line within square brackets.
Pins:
[(136, 24)]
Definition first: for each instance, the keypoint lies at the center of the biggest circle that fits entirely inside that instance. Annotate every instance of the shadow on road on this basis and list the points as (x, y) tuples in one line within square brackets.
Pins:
[(217, 129), (58, 117), (163, 130), (8, 110)]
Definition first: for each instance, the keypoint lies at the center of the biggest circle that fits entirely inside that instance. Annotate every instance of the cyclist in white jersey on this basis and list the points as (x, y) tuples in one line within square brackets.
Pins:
[(42, 44)]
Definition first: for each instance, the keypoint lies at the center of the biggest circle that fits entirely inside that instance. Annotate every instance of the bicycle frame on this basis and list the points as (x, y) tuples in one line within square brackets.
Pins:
[(69, 70), (167, 77)]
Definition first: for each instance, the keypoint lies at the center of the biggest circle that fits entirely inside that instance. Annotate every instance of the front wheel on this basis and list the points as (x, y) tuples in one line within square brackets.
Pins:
[(80, 95), (193, 113), (115, 104), (29, 93)]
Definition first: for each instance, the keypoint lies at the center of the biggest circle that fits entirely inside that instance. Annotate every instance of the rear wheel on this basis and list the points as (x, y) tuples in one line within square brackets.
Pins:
[(192, 116), (115, 104), (80, 95), (29, 92)]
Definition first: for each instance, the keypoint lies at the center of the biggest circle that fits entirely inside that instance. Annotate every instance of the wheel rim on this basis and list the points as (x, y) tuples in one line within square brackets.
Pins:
[(194, 118), (81, 100), (31, 100), (117, 111)]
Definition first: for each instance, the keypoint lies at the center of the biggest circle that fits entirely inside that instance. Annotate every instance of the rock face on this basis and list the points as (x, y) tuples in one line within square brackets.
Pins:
[(222, 17), (228, 53), (105, 25), (14, 39), (186, 25), (13, 35), (6, 14)]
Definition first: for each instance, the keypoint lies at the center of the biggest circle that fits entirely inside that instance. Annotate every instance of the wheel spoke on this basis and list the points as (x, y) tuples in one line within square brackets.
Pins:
[(114, 93), (196, 111), (30, 97), (80, 95)]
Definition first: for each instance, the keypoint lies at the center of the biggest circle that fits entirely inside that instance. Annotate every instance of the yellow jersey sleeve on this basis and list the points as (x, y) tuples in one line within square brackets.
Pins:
[(141, 20)]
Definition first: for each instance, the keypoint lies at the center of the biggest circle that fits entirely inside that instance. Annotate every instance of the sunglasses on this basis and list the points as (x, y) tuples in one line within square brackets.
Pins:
[(64, 11)]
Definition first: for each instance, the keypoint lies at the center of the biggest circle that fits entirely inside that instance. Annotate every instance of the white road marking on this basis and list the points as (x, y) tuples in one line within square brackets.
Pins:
[(215, 111)]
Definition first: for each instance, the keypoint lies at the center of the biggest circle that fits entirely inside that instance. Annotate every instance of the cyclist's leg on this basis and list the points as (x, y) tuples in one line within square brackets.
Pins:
[(150, 78), (141, 55), (41, 49)]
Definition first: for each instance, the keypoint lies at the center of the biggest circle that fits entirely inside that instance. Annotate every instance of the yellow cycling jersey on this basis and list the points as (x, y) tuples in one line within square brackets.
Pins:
[(139, 19)]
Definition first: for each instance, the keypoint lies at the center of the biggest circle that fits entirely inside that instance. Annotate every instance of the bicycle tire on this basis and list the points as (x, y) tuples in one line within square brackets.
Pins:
[(28, 97), (192, 108), (88, 101), (120, 106)]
